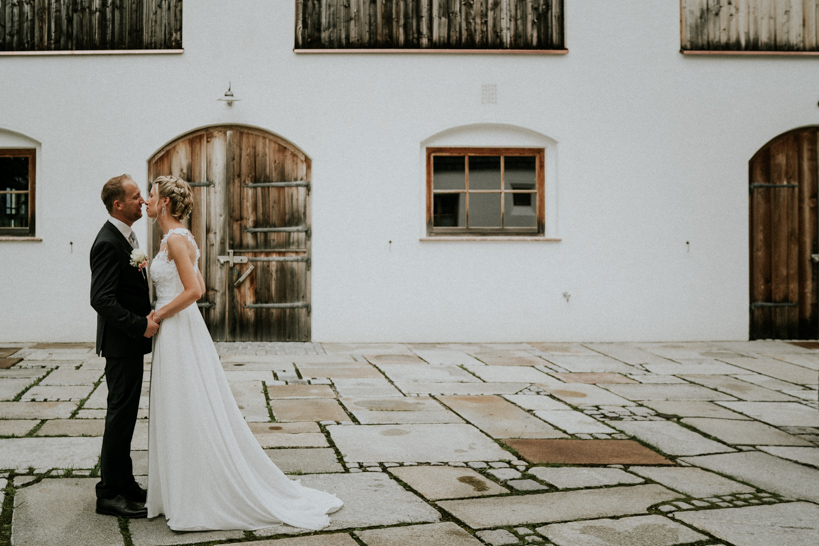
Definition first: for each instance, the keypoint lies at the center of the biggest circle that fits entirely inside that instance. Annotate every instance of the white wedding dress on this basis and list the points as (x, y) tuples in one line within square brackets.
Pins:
[(206, 470)]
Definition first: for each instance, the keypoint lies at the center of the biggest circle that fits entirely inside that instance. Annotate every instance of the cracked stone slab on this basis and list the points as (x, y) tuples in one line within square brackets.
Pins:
[(530, 509), (776, 369), (789, 414), (430, 534), (399, 410), (499, 418), (586, 452), (61, 511), (765, 471), (632, 531), (647, 391), (692, 481), (581, 478), (692, 408), (794, 524), (581, 394), (738, 388), (415, 443), (670, 437), (804, 455), (537, 402), (371, 499), (44, 453), (447, 482), (744, 432)]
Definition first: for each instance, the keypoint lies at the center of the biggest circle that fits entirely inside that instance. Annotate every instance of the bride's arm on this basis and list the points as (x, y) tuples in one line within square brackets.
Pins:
[(179, 250)]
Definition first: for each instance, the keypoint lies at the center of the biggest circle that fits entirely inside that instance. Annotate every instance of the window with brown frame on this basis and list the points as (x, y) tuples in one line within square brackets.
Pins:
[(485, 191), (17, 178)]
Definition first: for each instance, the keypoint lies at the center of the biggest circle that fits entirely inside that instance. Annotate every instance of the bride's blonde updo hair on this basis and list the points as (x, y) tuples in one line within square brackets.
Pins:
[(179, 192)]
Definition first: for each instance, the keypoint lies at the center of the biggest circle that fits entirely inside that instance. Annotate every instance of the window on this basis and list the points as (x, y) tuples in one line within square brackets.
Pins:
[(90, 25), (17, 192), (530, 25), (750, 27), (485, 191)]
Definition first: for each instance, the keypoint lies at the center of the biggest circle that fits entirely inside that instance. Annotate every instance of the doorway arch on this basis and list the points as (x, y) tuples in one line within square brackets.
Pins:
[(251, 219), (784, 237)]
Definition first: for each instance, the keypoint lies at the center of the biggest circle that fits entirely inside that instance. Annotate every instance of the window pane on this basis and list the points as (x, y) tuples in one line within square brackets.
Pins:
[(13, 173), (484, 173), (520, 172), (448, 172), (485, 209), (520, 210), (449, 210), (13, 210)]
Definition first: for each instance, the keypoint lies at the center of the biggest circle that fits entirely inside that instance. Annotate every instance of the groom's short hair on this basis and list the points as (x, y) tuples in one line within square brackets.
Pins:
[(114, 190)]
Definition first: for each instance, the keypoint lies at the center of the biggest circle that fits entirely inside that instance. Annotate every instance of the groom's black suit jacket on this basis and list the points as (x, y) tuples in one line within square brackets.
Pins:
[(119, 294)]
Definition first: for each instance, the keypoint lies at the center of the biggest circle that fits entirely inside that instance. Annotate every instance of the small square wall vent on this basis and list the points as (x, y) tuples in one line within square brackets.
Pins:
[(489, 93)]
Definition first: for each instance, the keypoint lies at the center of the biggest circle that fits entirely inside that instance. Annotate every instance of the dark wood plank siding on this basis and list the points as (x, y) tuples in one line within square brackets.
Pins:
[(750, 25), (83, 25), (430, 24)]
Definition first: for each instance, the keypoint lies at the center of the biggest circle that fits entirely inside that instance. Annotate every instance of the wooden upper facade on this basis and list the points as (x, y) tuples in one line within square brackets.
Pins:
[(90, 25)]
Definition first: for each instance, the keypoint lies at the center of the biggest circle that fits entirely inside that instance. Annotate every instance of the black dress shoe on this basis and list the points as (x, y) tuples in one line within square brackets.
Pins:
[(121, 507), (136, 494)]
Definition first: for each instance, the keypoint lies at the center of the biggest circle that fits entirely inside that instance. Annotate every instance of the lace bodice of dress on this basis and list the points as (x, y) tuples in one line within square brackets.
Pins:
[(164, 274)]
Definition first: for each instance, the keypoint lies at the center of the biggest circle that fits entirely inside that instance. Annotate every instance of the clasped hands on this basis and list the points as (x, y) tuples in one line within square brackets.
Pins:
[(153, 324)]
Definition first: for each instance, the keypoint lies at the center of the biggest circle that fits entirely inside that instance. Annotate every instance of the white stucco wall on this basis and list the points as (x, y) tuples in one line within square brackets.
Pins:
[(646, 181)]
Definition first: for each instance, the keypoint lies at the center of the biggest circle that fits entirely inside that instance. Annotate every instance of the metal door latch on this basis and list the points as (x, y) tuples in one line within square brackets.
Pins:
[(241, 279), (231, 259)]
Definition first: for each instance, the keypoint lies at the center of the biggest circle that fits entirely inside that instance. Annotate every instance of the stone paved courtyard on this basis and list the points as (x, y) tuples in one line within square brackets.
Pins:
[(570, 444)]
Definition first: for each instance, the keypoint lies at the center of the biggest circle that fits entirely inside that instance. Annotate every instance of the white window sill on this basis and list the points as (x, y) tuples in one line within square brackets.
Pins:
[(25, 239), (498, 238)]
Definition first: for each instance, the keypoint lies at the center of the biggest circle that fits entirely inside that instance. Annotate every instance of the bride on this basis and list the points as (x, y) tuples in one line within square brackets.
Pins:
[(206, 471)]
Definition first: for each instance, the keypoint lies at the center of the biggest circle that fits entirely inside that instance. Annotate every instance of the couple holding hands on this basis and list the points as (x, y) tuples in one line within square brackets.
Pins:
[(206, 471)]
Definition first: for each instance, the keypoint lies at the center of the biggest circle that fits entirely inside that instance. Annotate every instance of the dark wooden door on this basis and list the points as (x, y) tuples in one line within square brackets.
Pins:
[(784, 247), (252, 222)]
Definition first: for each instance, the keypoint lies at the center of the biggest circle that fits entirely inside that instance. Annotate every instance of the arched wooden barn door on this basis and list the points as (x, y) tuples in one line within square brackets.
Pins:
[(252, 221), (784, 246)]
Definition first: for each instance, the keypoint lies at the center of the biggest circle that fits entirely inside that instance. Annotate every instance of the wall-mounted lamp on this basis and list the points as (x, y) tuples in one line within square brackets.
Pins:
[(229, 98)]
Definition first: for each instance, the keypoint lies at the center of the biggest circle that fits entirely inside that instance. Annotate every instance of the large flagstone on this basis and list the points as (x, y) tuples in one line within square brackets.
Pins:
[(447, 482), (16, 427), (36, 410), (692, 481), (509, 374), (72, 427), (589, 363), (10, 388), (574, 422), (308, 409), (670, 437), (645, 391), (371, 387), (692, 408), (500, 418), (250, 398), (458, 388), (61, 511), (72, 377), (402, 374), (68, 393), (305, 461), (804, 455), (627, 353), (764, 471), (488, 513), (371, 499), (586, 452), (45, 453), (696, 367), (331, 539), (430, 534), (776, 368), (745, 432), (438, 357), (155, 532), (738, 388), (338, 371), (629, 531), (581, 478), (537, 402), (791, 524), (399, 410), (415, 443), (789, 414), (582, 394), (300, 391)]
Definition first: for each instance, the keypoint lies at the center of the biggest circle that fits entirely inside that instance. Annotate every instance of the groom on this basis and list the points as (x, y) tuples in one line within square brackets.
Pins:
[(125, 325)]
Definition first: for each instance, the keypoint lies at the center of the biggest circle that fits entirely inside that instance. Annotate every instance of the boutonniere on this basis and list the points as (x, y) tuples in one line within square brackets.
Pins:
[(139, 259)]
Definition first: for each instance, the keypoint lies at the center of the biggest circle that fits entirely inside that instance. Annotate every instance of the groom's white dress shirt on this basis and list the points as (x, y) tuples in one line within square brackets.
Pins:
[(126, 231)]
